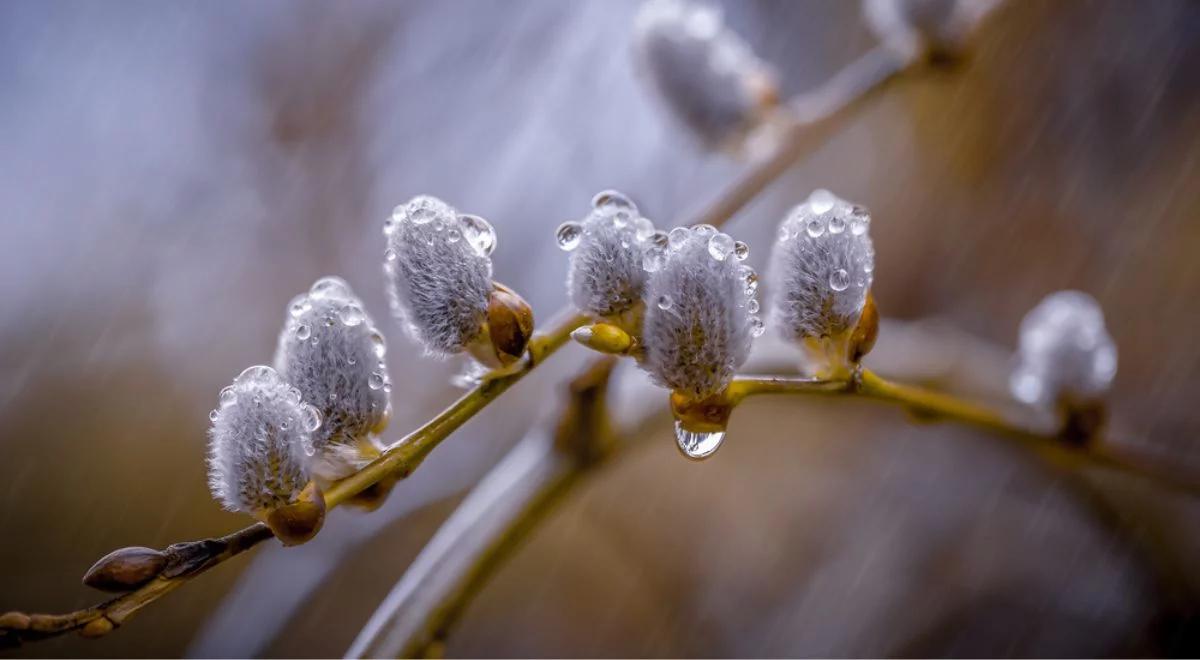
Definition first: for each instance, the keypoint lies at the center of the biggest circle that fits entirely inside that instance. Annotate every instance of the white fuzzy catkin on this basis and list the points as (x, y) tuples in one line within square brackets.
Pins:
[(259, 442), (439, 273), (605, 277), (701, 314), (821, 268), (332, 352), (1065, 352), (706, 74)]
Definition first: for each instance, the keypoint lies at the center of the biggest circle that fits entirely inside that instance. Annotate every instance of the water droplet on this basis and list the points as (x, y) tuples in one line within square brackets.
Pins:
[(621, 219), (387, 386), (569, 234), (423, 209), (351, 361), (815, 227), (612, 199), (868, 266), (479, 233), (389, 255), (333, 396), (453, 235), (303, 332), (212, 416), (664, 302), (821, 200), (300, 305), (750, 278), (860, 221), (352, 315), (653, 259), (378, 344), (678, 236), (752, 306), (438, 225), (839, 280), (284, 425), (697, 445), (471, 375), (257, 372), (756, 326), (720, 246), (659, 239), (228, 396), (375, 380), (704, 230), (643, 229), (311, 418), (330, 286), (741, 250)]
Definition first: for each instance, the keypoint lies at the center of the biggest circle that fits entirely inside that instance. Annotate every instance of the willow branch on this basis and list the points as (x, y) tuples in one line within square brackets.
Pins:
[(928, 404), (187, 560), (489, 524)]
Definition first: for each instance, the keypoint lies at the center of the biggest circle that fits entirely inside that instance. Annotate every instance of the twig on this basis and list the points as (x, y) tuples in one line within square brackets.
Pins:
[(188, 560), (489, 524)]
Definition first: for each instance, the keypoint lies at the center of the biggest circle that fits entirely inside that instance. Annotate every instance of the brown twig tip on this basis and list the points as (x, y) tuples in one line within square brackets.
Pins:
[(125, 569)]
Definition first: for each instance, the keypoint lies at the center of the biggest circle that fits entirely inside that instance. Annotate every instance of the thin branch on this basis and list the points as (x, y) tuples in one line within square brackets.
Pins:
[(489, 524), (188, 560)]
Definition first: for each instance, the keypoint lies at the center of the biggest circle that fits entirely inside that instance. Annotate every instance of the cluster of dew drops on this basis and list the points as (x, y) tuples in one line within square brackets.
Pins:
[(309, 417), (446, 224), (349, 314), (810, 219), (656, 244)]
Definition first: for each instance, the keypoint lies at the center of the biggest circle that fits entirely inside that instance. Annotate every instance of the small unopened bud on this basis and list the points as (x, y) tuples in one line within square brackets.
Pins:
[(604, 338), (260, 443), (299, 521), (607, 272), (509, 327), (98, 627), (1066, 358), (439, 273), (821, 273), (701, 314), (14, 621), (331, 351), (709, 79), (125, 569)]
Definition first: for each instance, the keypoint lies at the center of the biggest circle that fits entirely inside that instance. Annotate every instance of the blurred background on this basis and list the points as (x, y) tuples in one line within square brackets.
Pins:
[(171, 174)]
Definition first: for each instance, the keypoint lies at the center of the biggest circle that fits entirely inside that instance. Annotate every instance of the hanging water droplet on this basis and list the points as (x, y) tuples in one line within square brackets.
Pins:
[(752, 306), (837, 224), (387, 386), (756, 326), (839, 280), (741, 250), (612, 199), (643, 229), (453, 235), (815, 227), (311, 418), (352, 315), (227, 397), (821, 200), (375, 380), (212, 416), (664, 302), (720, 246), (569, 234), (479, 233), (389, 255), (697, 445)]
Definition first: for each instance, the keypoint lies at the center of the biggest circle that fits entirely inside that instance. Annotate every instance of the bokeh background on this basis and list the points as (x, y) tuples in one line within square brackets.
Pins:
[(171, 174)]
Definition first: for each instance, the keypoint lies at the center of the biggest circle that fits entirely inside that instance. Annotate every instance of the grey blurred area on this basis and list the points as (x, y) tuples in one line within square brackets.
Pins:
[(172, 173)]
